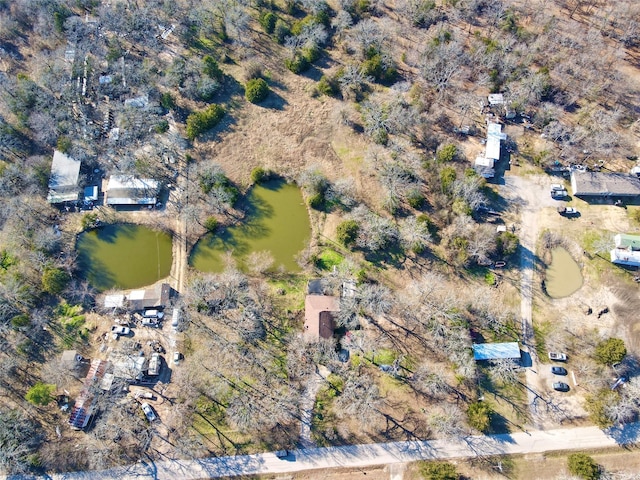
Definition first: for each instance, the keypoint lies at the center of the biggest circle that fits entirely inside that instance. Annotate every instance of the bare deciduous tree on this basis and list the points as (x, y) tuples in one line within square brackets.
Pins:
[(360, 399), (447, 422), (441, 63), (19, 437), (415, 235), (505, 370), (366, 34), (431, 382)]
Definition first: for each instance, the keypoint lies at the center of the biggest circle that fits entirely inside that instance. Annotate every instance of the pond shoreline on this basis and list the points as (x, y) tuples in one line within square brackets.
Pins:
[(276, 221), (124, 255)]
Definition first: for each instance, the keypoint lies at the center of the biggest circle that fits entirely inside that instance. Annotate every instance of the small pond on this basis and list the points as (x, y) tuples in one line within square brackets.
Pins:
[(124, 256), (563, 276), (277, 221)]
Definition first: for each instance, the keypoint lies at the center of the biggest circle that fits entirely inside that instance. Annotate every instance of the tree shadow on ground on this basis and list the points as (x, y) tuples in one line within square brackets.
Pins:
[(273, 101)]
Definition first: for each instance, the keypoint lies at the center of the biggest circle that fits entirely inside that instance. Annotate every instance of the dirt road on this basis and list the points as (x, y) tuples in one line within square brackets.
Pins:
[(177, 201), (529, 194)]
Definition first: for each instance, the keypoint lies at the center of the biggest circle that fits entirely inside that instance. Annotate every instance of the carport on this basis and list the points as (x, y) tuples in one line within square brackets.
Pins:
[(496, 351)]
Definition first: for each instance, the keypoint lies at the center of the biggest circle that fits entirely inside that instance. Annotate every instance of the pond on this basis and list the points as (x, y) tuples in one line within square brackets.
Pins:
[(563, 276), (124, 256), (277, 221)]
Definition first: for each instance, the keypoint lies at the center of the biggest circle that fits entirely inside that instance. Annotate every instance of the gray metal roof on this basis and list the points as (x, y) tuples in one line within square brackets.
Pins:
[(603, 184), (64, 171)]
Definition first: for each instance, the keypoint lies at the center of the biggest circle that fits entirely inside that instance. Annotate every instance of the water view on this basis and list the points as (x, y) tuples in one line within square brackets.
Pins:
[(277, 222), (563, 276), (124, 256)]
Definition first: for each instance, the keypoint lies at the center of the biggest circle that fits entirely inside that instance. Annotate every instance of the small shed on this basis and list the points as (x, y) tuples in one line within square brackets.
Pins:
[(631, 242), (137, 102), (91, 193), (630, 258), (349, 288), (496, 351), (315, 286), (627, 251)]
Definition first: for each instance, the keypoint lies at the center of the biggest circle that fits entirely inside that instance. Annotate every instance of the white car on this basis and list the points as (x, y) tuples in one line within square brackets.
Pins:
[(558, 356), (120, 330), (148, 412), (556, 187), (559, 193)]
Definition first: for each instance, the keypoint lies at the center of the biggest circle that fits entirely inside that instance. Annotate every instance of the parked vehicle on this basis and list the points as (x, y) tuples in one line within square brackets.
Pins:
[(561, 387), (558, 370), (567, 211), (175, 319), (147, 395), (559, 194), (619, 381), (556, 187), (282, 453), (177, 356), (557, 356), (150, 322), (153, 313), (154, 364), (148, 412), (117, 330)]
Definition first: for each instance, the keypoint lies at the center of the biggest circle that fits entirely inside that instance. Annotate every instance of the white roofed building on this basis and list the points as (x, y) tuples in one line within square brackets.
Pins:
[(494, 137), (63, 182), (484, 164), (123, 190), (627, 251)]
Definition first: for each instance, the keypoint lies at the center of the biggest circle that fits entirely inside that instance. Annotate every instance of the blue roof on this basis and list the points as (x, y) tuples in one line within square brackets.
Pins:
[(91, 193), (494, 351)]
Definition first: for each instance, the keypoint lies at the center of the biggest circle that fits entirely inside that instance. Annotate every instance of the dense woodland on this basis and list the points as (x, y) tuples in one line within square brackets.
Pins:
[(402, 77)]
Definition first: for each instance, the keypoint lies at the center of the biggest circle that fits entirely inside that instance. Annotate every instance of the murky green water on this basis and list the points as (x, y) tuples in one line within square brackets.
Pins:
[(277, 222), (124, 256), (563, 276)]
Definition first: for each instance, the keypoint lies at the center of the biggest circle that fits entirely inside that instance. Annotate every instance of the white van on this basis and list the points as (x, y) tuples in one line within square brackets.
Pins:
[(153, 313)]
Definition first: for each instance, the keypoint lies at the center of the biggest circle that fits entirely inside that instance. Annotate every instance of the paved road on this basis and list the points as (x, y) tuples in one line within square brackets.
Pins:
[(368, 455)]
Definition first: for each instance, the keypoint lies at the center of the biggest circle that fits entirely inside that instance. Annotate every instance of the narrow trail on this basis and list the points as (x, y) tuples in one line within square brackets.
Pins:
[(307, 403)]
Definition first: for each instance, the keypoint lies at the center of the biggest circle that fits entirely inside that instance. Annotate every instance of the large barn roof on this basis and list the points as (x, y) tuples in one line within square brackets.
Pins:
[(602, 184)]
